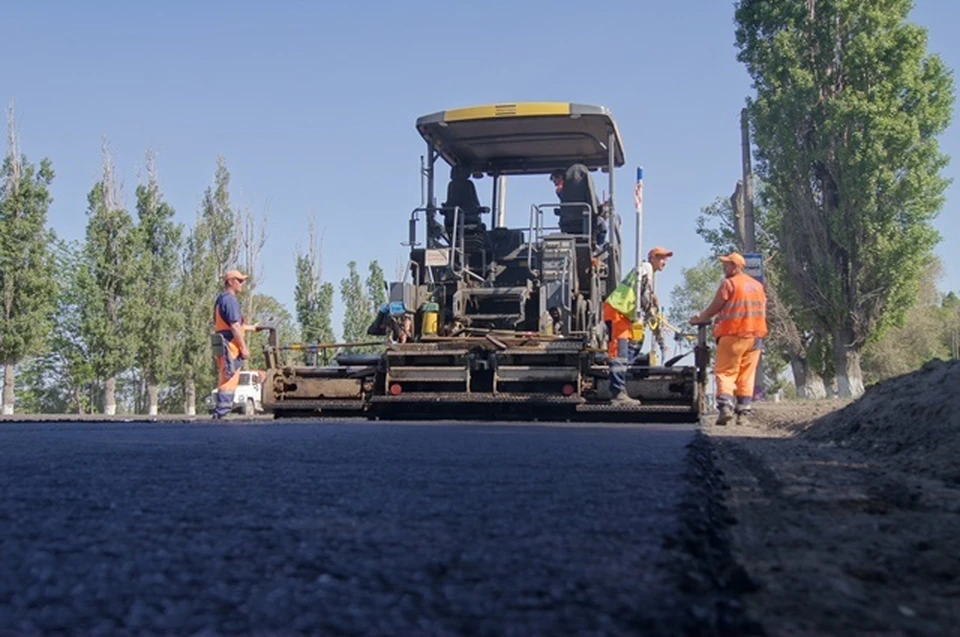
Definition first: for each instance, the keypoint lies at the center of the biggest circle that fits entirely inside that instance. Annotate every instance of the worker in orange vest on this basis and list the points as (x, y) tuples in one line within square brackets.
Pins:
[(740, 306), (230, 345)]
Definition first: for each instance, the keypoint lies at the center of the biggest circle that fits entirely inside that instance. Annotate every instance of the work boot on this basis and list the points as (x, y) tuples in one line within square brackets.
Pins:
[(743, 418), (725, 415), (623, 399)]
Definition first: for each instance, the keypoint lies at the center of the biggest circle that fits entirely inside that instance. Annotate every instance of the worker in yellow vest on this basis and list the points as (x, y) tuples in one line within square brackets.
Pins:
[(623, 312)]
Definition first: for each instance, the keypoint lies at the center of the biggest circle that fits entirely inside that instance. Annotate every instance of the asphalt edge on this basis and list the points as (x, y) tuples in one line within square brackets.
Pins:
[(708, 577)]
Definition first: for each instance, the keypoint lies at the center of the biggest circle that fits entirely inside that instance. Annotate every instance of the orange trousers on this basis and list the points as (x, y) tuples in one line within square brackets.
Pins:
[(736, 366)]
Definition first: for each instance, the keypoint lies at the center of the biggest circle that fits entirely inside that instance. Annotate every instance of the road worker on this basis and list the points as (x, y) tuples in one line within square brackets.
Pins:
[(740, 306), (229, 341), (623, 312)]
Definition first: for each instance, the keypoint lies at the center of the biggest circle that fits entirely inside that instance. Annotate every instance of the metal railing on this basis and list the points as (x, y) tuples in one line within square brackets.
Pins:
[(537, 227), (456, 244)]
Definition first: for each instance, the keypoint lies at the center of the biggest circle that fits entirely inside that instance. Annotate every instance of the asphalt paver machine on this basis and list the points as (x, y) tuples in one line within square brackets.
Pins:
[(497, 320)]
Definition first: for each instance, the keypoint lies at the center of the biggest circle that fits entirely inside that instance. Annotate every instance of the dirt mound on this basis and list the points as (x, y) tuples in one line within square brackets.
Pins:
[(912, 422)]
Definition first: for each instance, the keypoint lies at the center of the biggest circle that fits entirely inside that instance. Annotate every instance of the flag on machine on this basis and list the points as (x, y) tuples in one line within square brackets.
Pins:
[(638, 191)]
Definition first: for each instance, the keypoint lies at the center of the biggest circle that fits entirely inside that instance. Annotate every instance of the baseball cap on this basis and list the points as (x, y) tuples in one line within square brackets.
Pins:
[(235, 274), (735, 258), (659, 252)]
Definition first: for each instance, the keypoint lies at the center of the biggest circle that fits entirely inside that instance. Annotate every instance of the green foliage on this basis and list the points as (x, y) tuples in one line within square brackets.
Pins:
[(158, 243), (221, 221), (106, 280), (357, 315), (196, 290), (313, 299), (845, 119), (923, 334), (699, 286), (37, 388), (950, 311), (27, 270), (324, 311), (62, 380), (376, 288), (774, 368), (270, 312), (716, 226)]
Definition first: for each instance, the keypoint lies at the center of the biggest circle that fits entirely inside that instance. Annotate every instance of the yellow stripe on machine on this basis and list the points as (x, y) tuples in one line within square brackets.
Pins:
[(522, 109)]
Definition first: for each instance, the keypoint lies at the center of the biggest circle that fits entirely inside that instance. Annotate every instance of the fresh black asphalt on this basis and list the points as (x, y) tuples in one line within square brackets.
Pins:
[(339, 528)]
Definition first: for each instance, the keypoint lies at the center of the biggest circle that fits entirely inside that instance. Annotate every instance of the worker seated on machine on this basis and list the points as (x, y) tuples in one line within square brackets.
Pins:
[(461, 193), (393, 322), (575, 186)]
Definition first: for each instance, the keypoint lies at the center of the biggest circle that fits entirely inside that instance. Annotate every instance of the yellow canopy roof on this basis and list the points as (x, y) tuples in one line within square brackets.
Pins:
[(525, 137)]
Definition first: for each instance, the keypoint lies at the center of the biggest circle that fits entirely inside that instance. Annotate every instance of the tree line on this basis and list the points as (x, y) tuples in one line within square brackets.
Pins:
[(120, 321)]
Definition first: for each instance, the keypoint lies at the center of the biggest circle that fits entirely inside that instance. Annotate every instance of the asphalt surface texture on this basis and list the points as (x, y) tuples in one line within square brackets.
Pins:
[(340, 528)]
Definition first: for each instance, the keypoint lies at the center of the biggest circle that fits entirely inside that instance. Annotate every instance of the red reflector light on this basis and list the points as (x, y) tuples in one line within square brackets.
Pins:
[(395, 389), (567, 390)]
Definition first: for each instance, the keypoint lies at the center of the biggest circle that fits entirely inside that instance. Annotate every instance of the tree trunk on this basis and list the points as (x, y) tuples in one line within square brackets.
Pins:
[(110, 396), (153, 390), (846, 360), (190, 394), (8, 377), (809, 383)]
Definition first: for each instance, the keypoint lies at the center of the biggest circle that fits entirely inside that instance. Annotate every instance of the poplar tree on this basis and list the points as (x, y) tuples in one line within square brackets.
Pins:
[(356, 307), (106, 283), (159, 241), (313, 296), (847, 112), (27, 272)]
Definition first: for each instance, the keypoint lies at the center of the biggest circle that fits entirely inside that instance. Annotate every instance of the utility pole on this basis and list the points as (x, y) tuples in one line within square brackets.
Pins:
[(749, 230), (749, 225)]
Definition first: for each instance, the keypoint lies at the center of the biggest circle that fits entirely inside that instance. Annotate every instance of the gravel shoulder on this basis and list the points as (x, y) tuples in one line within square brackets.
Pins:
[(846, 516)]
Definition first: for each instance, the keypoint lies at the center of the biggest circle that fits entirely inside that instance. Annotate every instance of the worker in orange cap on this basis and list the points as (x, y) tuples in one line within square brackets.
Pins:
[(620, 315), (230, 341), (740, 306)]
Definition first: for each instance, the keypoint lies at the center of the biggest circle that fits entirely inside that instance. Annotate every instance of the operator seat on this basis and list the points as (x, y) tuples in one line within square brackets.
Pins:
[(462, 193), (577, 188)]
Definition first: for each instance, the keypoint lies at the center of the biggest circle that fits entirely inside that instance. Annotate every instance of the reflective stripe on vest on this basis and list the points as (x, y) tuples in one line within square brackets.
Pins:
[(745, 312)]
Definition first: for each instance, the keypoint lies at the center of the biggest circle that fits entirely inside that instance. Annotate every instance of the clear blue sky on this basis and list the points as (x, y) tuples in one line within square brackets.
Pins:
[(313, 106)]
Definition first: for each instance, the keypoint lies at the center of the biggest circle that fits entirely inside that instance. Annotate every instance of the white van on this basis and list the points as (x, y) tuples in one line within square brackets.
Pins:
[(246, 399)]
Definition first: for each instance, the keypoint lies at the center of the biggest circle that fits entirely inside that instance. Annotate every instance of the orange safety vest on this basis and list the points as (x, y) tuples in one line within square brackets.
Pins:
[(220, 325), (745, 312)]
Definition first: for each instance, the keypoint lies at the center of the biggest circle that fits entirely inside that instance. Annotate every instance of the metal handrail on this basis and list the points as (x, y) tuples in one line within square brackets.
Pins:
[(452, 241), (537, 227)]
